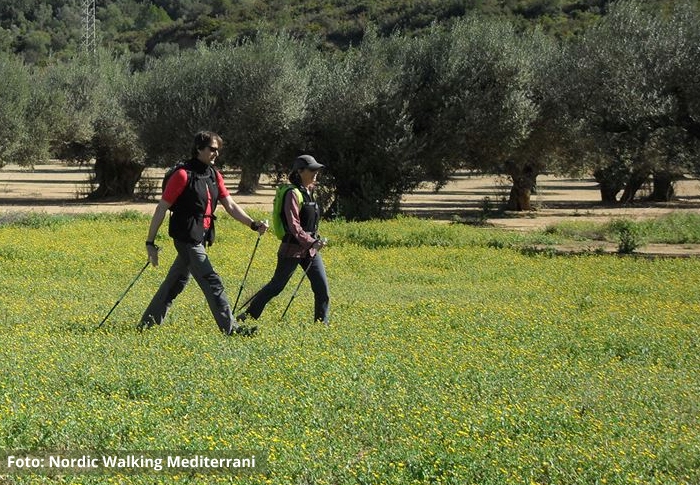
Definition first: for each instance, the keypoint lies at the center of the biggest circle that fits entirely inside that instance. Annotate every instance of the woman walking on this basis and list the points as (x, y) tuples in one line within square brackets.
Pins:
[(300, 216)]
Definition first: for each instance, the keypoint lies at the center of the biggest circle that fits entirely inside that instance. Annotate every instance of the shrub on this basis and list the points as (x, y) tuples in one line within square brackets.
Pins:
[(629, 236)]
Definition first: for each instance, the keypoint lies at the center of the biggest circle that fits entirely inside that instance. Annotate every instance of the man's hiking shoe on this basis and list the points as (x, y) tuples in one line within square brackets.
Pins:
[(244, 331)]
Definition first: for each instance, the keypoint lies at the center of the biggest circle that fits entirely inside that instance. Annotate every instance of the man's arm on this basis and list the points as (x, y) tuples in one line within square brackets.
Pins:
[(156, 222), (237, 212), (157, 219)]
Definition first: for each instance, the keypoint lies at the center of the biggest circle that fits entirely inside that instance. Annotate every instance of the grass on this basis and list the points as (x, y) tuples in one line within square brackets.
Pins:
[(451, 358), (673, 228)]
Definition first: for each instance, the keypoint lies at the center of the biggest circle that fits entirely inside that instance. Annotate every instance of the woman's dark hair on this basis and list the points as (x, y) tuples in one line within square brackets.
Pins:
[(295, 177), (203, 140)]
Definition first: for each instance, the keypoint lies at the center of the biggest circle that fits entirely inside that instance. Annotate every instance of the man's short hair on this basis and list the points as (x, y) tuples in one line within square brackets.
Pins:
[(203, 139)]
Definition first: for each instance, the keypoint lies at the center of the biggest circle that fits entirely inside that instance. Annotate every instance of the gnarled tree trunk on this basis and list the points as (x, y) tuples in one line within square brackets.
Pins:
[(524, 178), (610, 182), (664, 186), (115, 179), (250, 181), (118, 165), (634, 183)]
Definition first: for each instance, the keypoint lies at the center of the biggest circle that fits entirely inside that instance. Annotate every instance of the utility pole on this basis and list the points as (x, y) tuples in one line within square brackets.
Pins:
[(88, 39)]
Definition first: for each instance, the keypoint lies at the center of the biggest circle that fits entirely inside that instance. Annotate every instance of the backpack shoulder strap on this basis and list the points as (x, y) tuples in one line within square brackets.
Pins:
[(169, 173), (298, 194)]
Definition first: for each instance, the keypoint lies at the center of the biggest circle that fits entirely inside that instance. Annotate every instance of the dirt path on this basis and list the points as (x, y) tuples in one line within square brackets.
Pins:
[(59, 188)]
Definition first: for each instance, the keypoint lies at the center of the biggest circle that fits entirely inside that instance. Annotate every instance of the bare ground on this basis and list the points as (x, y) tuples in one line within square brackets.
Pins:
[(60, 188)]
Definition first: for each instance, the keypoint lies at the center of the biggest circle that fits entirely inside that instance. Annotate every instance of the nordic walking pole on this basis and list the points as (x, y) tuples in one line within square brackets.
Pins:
[(123, 295), (245, 303), (325, 241), (297, 288), (245, 276)]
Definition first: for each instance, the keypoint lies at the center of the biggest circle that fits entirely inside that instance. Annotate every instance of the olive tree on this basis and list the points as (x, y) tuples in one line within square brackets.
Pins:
[(260, 100), (479, 98), (359, 126), (430, 93), (119, 155), (66, 93), (622, 88), (31, 113), (168, 103), (253, 94), (82, 106)]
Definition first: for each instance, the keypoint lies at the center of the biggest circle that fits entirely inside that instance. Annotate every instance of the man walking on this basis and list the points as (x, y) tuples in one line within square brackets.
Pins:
[(191, 194)]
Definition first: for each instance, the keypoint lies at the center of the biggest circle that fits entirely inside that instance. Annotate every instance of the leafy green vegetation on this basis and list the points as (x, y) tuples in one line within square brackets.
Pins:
[(447, 360), (38, 30), (674, 228)]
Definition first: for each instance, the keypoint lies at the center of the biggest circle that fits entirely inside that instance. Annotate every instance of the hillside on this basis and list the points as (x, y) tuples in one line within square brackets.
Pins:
[(40, 30)]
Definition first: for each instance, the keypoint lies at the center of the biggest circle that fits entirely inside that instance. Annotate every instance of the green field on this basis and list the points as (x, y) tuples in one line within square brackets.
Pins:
[(452, 357)]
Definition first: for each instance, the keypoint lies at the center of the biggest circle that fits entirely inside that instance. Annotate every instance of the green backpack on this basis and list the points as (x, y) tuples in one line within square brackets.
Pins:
[(278, 223)]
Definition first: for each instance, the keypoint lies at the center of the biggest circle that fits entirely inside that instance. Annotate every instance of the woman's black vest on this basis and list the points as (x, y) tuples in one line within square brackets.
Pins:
[(309, 216), (187, 213)]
